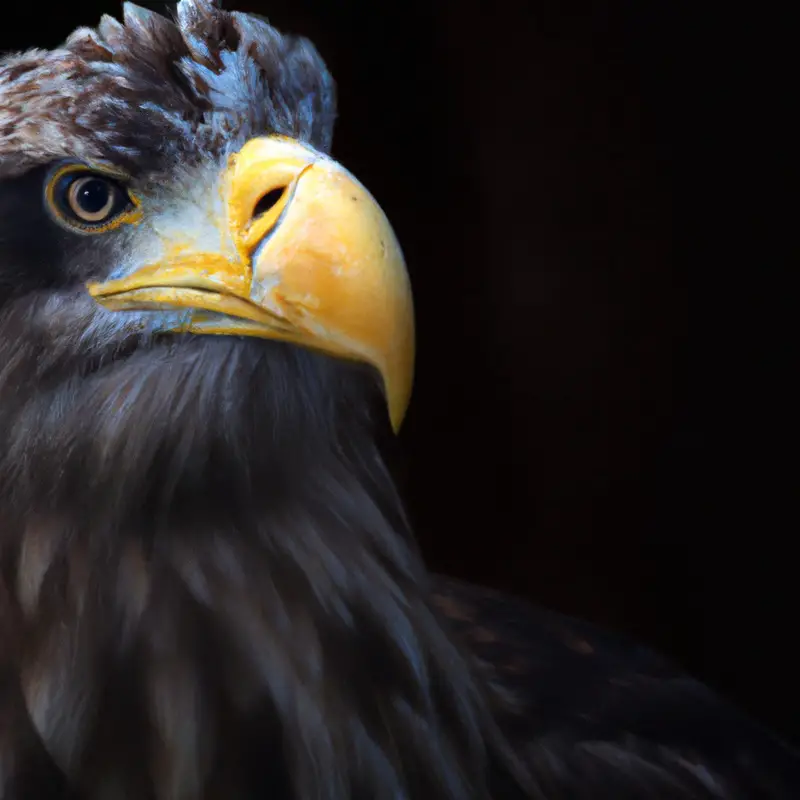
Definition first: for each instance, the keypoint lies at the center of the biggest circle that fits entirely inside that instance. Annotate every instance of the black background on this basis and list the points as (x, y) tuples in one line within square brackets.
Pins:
[(584, 191)]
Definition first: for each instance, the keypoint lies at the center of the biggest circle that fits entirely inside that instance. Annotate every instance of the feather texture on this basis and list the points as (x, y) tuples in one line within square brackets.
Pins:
[(198, 86)]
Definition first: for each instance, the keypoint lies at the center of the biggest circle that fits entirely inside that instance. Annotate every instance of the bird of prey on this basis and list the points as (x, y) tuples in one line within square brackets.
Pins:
[(208, 586)]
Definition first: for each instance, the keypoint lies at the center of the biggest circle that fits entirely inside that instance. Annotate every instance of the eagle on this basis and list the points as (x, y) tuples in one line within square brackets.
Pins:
[(209, 587)]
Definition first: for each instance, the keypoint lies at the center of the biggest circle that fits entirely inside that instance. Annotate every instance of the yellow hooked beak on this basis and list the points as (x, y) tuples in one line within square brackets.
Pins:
[(309, 258)]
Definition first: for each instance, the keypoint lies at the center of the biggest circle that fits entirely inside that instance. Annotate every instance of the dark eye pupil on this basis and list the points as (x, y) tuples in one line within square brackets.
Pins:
[(93, 195)]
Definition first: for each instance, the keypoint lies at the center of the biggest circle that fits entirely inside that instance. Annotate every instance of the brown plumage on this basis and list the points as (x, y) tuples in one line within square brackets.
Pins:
[(121, 93), (208, 587)]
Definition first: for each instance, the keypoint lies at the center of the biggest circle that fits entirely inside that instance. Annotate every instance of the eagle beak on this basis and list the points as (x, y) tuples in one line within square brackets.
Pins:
[(306, 256)]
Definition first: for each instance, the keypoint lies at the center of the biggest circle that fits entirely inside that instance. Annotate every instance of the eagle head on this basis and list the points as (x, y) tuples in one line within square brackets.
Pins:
[(208, 588)]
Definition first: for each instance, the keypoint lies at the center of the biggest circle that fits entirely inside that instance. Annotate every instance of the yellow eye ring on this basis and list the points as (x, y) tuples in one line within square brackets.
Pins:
[(90, 201)]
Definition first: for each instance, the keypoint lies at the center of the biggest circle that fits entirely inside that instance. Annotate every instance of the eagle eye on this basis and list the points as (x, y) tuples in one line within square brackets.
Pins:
[(89, 201)]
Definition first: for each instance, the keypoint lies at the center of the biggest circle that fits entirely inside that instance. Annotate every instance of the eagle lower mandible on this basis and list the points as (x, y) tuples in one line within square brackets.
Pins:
[(208, 586)]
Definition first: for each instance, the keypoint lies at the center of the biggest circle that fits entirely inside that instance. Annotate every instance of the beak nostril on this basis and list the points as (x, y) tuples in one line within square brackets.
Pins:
[(268, 201)]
